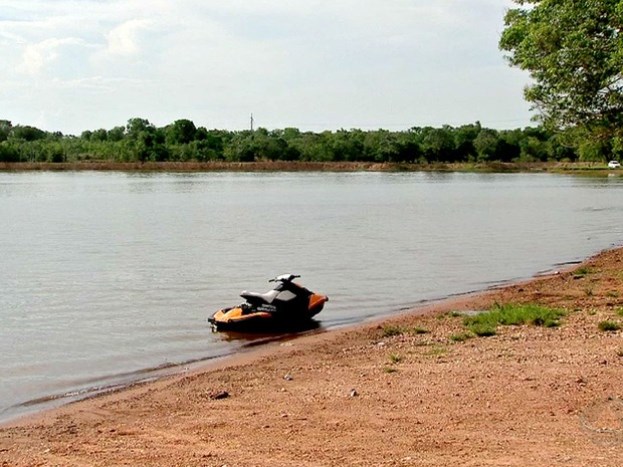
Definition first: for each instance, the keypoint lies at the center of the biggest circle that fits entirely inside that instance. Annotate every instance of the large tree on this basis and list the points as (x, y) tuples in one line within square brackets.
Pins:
[(574, 53)]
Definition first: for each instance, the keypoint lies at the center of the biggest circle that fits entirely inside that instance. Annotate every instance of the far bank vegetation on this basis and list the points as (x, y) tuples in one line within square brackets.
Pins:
[(183, 141)]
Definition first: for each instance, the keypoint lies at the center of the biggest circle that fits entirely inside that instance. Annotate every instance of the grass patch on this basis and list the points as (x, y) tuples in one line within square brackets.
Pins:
[(483, 330), (619, 311), (612, 294), (485, 324), (395, 358), (582, 271), (390, 330), (609, 326), (449, 314), (462, 337), (390, 369), (436, 350)]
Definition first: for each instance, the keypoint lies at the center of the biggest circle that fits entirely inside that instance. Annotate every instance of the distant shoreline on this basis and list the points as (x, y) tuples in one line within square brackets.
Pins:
[(298, 166)]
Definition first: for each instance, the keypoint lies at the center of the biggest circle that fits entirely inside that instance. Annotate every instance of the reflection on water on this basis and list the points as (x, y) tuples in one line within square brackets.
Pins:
[(270, 333), (106, 274)]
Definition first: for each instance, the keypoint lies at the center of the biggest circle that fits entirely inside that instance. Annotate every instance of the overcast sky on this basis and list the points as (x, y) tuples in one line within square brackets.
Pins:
[(74, 65)]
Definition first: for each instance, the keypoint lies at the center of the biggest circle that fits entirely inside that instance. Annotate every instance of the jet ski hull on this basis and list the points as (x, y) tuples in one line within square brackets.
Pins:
[(248, 318)]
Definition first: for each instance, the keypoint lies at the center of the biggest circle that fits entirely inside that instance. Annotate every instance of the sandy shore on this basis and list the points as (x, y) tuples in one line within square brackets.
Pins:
[(408, 391)]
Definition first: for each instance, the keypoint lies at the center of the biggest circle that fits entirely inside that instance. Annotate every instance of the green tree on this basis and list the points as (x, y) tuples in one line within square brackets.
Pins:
[(382, 146), (137, 125), (99, 135), (27, 133), (438, 144), (181, 132), (240, 148), (5, 129), (116, 134), (464, 137), (509, 145), (346, 145), (574, 53), (486, 144), (8, 153), (313, 146), (145, 141)]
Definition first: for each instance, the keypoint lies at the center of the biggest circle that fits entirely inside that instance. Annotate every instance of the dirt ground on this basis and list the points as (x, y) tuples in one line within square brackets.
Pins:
[(406, 391)]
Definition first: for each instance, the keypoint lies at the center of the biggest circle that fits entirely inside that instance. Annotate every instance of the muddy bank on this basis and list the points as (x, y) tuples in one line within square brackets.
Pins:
[(296, 166), (419, 389)]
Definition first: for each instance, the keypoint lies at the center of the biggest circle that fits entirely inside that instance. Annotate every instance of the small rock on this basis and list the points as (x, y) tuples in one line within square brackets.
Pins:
[(353, 393), (219, 395), (288, 377)]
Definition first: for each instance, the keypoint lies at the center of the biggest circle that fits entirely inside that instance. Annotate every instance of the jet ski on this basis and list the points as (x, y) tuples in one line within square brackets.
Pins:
[(288, 303)]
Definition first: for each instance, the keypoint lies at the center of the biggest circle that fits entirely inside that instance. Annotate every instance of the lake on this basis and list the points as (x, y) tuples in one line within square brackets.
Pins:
[(108, 278)]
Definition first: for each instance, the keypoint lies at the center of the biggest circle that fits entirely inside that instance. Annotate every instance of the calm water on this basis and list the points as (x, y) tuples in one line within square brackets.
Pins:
[(106, 275)]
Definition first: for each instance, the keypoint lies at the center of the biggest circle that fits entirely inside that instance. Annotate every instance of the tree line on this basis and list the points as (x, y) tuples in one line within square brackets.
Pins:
[(182, 140), (572, 50)]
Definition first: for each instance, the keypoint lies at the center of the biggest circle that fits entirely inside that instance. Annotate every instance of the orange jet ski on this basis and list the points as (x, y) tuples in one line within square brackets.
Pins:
[(288, 303)]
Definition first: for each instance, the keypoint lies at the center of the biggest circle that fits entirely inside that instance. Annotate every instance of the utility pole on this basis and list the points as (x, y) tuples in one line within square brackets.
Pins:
[(251, 123)]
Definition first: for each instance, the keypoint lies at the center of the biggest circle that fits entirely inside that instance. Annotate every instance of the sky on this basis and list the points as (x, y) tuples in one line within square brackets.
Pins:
[(75, 65)]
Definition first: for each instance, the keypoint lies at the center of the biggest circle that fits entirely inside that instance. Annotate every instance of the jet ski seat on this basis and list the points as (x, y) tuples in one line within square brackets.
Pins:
[(254, 297)]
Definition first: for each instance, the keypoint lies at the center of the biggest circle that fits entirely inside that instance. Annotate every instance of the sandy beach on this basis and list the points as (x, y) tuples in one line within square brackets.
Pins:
[(417, 389)]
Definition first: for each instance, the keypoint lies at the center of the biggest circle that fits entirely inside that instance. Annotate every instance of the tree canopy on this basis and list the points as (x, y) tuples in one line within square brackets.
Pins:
[(139, 140), (574, 53)]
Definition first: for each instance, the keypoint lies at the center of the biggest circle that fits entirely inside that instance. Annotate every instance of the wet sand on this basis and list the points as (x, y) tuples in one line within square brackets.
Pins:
[(405, 391)]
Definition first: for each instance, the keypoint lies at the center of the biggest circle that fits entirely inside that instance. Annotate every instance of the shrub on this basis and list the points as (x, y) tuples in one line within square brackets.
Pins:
[(462, 337), (609, 326), (390, 330), (582, 271)]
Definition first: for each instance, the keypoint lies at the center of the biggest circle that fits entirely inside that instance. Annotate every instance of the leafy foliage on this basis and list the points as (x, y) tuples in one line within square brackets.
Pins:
[(574, 52), (140, 141)]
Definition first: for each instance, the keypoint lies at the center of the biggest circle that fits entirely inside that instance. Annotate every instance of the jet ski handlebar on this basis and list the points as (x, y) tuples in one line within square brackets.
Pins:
[(284, 278)]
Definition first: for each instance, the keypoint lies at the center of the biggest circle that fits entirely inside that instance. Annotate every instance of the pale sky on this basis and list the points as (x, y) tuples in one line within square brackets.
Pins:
[(74, 65)]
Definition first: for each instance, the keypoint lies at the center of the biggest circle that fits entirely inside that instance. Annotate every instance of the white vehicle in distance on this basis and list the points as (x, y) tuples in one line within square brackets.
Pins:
[(614, 165)]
